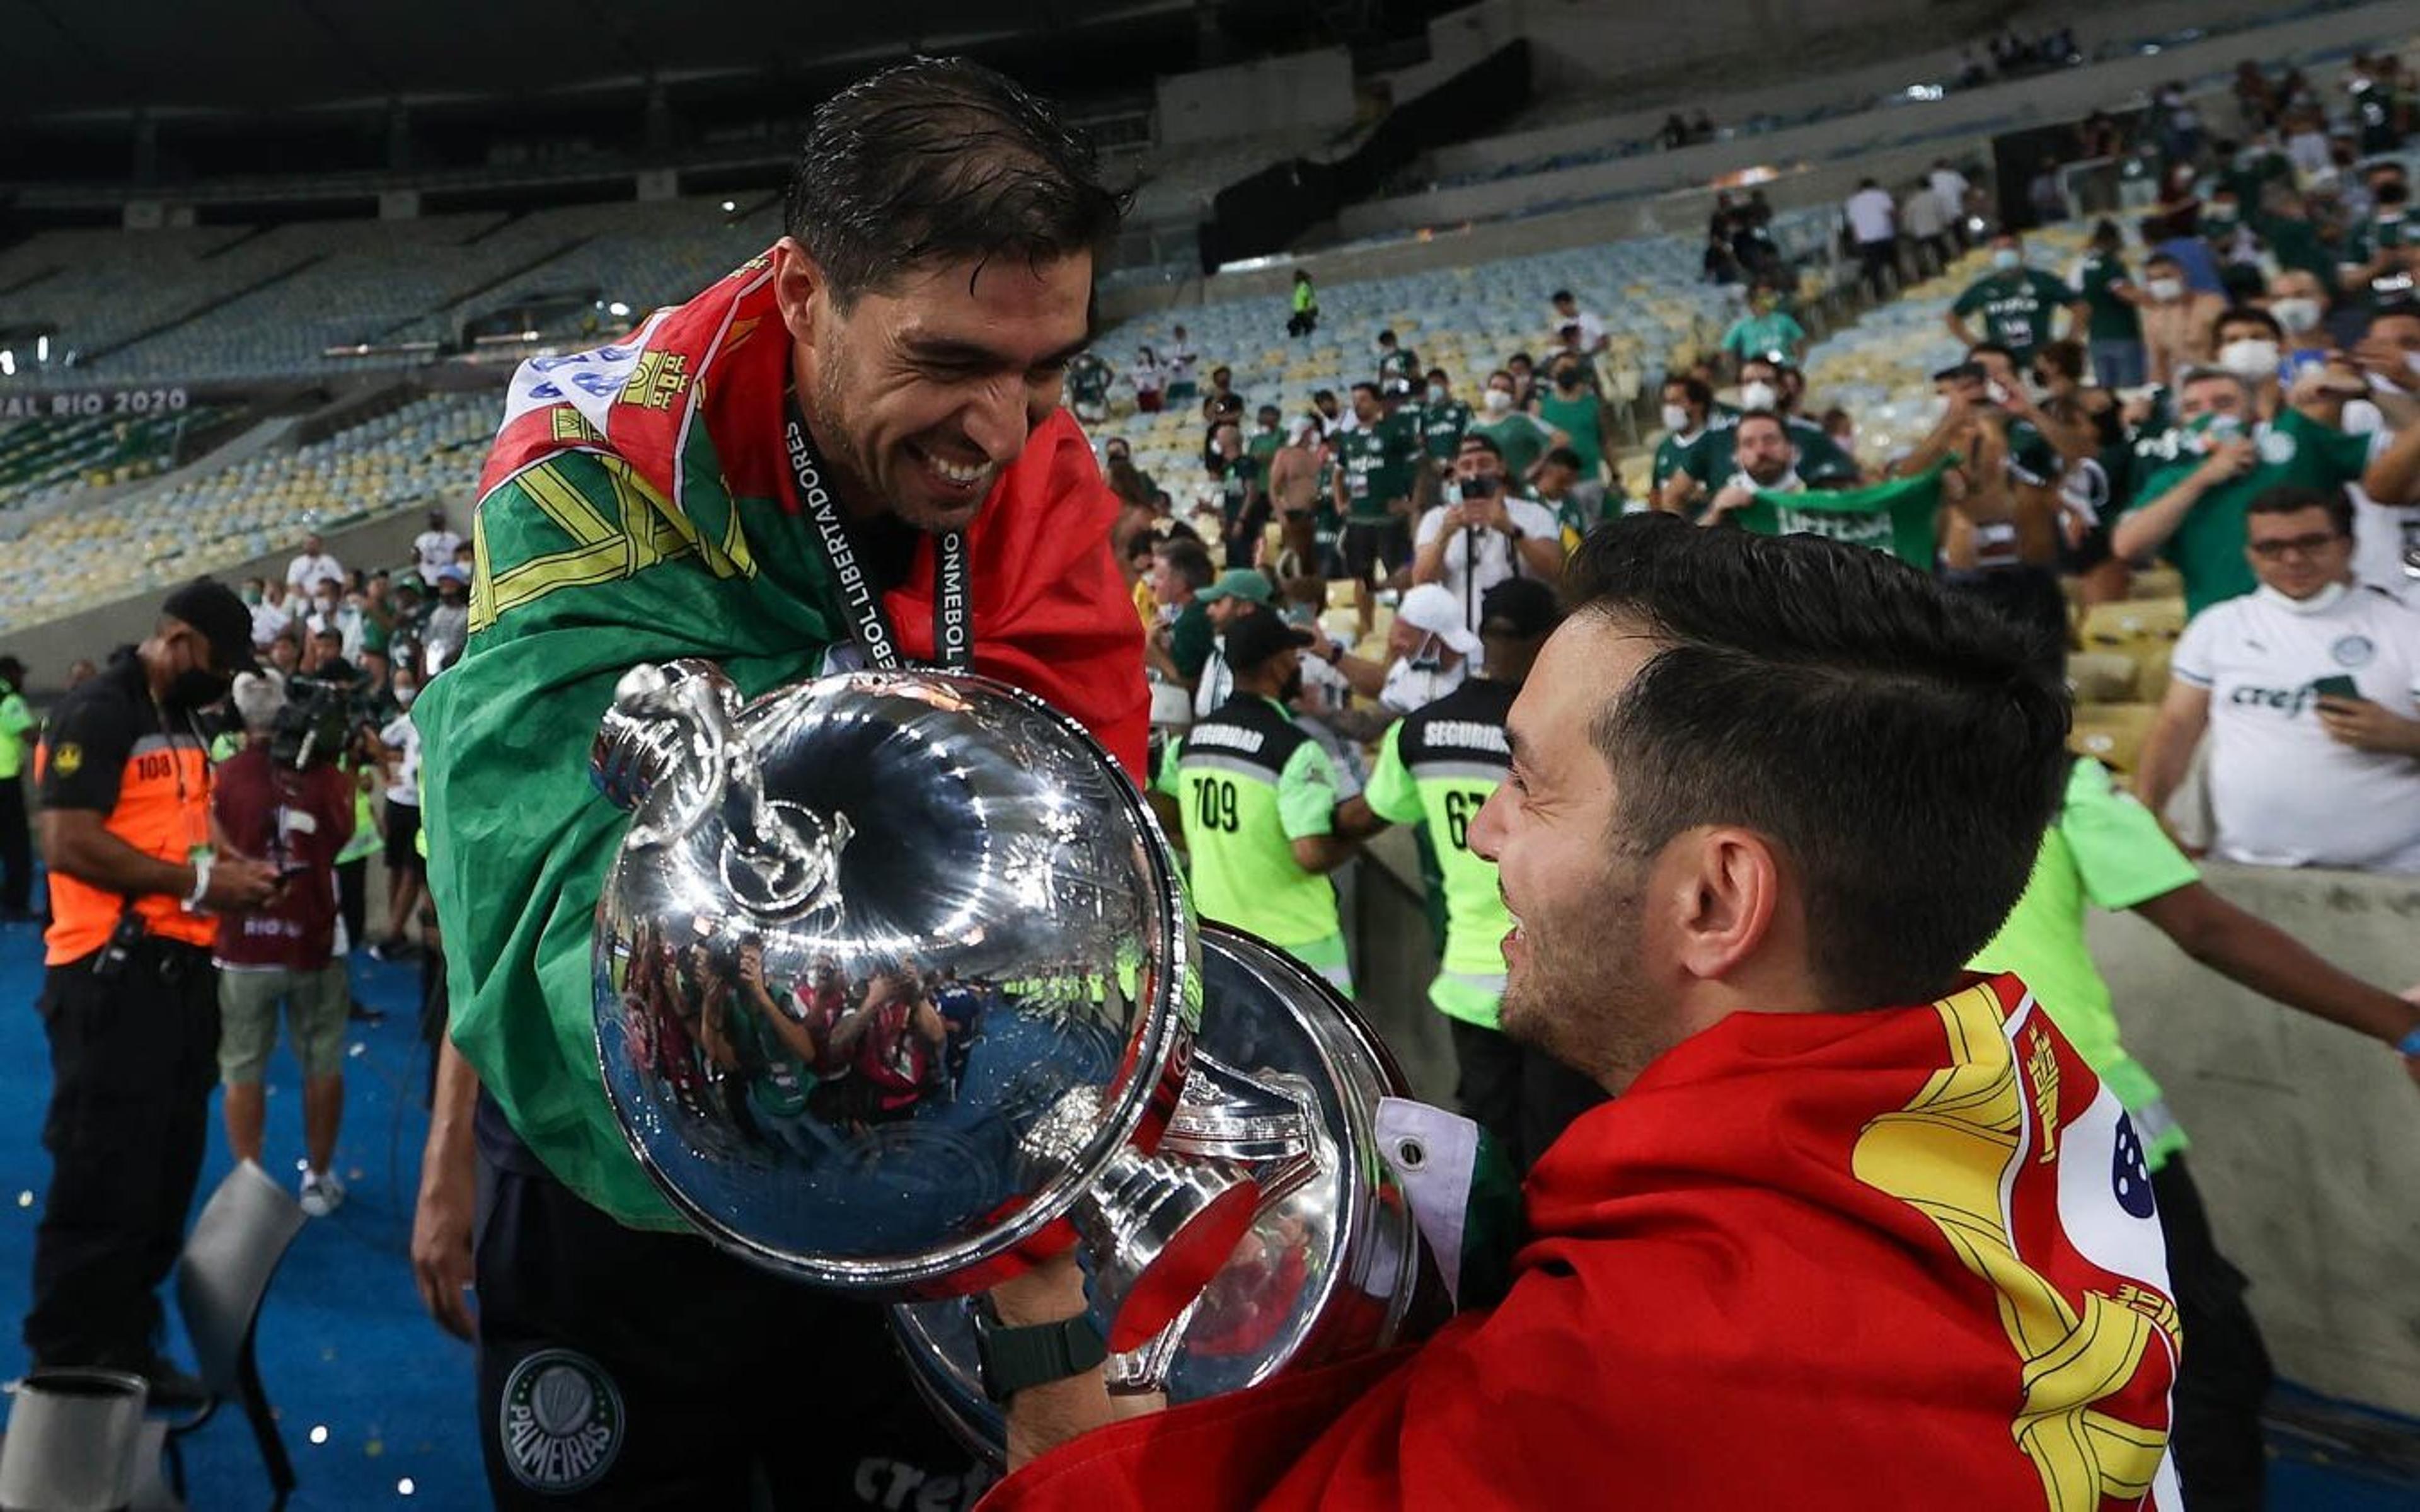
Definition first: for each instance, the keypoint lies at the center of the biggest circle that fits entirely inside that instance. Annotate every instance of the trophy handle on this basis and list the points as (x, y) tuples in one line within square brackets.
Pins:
[(675, 727), (1158, 1226)]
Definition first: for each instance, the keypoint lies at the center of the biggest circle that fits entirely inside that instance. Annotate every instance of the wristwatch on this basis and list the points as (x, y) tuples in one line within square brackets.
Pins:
[(2408, 1048), (1016, 1359)]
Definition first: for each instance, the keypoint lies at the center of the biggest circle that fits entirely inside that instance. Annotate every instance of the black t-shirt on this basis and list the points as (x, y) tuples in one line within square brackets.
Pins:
[(92, 732)]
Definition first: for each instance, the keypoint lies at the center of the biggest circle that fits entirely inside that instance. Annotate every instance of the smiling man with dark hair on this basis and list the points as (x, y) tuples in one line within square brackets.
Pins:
[(850, 450), (1858, 1228)]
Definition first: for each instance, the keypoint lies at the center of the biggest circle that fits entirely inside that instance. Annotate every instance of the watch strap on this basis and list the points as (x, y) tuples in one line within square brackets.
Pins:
[(1017, 1359), (2409, 1045)]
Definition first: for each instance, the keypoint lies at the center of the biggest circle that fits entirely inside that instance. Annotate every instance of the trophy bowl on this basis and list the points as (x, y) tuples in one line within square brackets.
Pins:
[(1286, 1081), (896, 988)]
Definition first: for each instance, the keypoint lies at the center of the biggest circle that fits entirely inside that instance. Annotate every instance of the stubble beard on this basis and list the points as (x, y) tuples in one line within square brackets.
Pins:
[(1583, 1000)]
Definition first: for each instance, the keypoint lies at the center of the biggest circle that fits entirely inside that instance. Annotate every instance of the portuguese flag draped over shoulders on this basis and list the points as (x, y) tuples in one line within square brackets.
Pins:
[(1896, 516), (638, 507)]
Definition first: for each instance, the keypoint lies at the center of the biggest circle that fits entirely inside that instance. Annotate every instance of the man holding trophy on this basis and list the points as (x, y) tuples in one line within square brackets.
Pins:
[(849, 452), (886, 980)]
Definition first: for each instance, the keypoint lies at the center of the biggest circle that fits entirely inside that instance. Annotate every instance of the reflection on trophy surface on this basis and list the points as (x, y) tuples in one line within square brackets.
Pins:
[(896, 988)]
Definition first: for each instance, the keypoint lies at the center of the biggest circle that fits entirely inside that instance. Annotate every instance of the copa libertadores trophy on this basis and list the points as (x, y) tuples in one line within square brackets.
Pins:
[(897, 990)]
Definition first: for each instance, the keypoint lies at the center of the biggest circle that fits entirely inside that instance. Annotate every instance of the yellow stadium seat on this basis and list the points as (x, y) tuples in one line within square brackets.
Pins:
[(2132, 620), (2111, 733), (2101, 676), (2156, 582)]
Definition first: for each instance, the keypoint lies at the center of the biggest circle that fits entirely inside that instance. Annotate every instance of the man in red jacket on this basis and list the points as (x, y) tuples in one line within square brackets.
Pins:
[(848, 451), (1858, 1230)]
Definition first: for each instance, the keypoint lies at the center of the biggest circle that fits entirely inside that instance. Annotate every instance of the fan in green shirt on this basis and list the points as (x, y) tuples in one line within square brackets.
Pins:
[(1256, 799), (1379, 458), (1570, 406), (2101, 278), (1443, 419), (1396, 363), (1521, 438), (2018, 305), (1688, 412), (1766, 331), (2198, 478), (1268, 437)]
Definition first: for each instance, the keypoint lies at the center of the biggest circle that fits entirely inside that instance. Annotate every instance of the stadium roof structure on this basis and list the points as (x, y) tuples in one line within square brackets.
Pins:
[(61, 60)]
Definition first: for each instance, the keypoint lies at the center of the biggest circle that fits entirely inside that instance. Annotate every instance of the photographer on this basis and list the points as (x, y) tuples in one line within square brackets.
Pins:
[(1484, 536), (284, 798), (129, 1002)]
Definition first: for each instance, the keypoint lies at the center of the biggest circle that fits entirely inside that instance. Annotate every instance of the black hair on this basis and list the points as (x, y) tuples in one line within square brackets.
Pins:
[(2293, 498), (2066, 357), (1778, 423), (1986, 348), (2247, 314), (1564, 456), (1370, 389), (1474, 441), (1560, 296), (1435, 373), (1191, 561), (1903, 746), (2393, 191), (942, 160), (1700, 393), (1386, 335)]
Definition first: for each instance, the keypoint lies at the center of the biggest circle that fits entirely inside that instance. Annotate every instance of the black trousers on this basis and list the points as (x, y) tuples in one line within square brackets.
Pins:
[(625, 1369), (2214, 1425), (354, 899), (16, 848), (1878, 267), (1487, 1085), (133, 1057), (1523, 1098)]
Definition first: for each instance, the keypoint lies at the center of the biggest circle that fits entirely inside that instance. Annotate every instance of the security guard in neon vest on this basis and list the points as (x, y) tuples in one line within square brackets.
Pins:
[(1257, 797), (1436, 767), (131, 999)]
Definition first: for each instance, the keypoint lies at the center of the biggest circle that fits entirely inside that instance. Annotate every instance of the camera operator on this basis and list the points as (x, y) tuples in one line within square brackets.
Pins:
[(284, 798), (129, 1002)]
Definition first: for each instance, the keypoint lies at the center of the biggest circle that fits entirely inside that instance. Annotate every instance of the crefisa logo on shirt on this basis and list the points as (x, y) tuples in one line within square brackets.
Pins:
[(2353, 651), (561, 1422)]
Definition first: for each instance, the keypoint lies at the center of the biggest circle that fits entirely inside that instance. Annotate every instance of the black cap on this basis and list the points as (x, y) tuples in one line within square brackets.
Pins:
[(1519, 606), (1259, 635), (211, 608)]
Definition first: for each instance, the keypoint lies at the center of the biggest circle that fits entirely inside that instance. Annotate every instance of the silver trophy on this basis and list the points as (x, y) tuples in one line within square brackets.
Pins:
[(897, 990)]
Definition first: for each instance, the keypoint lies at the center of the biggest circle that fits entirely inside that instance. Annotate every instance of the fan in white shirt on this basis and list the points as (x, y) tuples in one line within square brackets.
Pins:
[(1568, 313), (304, 572), (1430, 651), (1485, 535), (1872, 215), (433, 549), (1948, 189), (2306, 690)]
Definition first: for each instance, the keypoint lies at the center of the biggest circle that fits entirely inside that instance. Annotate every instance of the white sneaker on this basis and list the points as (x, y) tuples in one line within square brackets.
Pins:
[(322, 1193)]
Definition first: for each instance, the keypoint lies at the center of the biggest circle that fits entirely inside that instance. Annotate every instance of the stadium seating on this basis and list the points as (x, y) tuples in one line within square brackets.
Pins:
[(1657, 310), (40, 457), (428, 449)]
